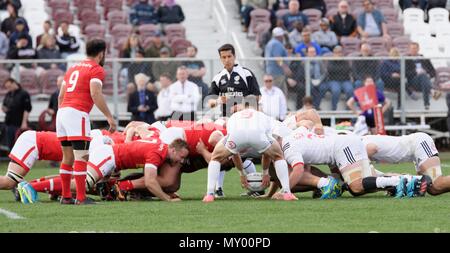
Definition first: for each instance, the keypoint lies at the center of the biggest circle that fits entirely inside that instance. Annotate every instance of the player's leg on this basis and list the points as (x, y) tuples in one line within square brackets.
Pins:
[(81, 156), (432, 167), (66, 171), (14, 176)]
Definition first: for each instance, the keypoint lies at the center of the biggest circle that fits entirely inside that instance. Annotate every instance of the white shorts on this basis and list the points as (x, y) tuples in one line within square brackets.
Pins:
[(72, 125), (102, 160), (348, 149), (424, 149), (240, 141), (25, 151)]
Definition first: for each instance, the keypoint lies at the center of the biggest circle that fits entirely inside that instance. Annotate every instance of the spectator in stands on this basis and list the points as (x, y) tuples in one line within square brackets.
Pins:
[(20, 29), (436, 4), (405, 4), (142, 103), (17, 108), (277, 68), (131, 47), (302, 48), (67, 43), (160, 67), (49, 50), (366, 67), (317, 73), (296, 81), (338, 79), (153, 50), (419, 72), (273, 100), (4, 45), (184, 96), (143, 13), (326, 38), (138, 66), (371, 22), (390, 72), (164, 112), (294, 15), (9, 24), (170, 13), (4, 3), (196, 71), (369, 114), (295, 36), (47, 31), (248, 6), (314, 4), (343, 23), (22, 51), (53, 102)]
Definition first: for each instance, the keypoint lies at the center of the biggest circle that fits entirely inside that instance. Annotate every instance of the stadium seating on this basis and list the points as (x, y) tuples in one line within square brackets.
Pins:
[(87, 17), (257, 16), (179, 46), (174, 31), (438, 17), (402, 44), (94, 31), (29, 81), (350, 44), (116, 17), (413, 18), (377, 44), (48, 80), (442, 79)]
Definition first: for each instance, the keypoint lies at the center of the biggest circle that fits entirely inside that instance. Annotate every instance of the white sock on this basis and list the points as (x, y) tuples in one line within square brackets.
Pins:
[(281, 169), (220, 180), (383, 182), (323, 181), (249, 167), (213, 174)]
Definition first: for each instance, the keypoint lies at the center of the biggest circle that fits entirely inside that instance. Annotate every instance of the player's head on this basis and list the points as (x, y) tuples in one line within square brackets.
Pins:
[(178, 151), (227, 56), (308, 102), (215, 137), (96, 49)]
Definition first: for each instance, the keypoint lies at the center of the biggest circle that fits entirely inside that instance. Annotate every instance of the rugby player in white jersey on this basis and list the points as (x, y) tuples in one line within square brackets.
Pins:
[(247, 129), (418, 148)]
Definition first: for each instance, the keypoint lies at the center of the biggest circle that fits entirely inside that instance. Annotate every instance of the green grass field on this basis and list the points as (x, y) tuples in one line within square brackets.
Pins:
[(373, 212)]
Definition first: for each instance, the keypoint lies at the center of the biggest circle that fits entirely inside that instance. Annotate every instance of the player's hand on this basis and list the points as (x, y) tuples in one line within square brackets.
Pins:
[(318, 129), (200, 147), (212, 103), (24, 125), (174, 200), (265, 180), (112, 125), (265, 196), (278, 196), (244, 182), (174, 195)]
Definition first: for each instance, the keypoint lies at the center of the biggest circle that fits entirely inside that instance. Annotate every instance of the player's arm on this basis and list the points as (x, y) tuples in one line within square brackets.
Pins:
[(130, 132), (62, 92), (203, 151), (351, 105), (238, 164), (386, 105), (99, 101), (313, 116), (265, 162), (151, 182)]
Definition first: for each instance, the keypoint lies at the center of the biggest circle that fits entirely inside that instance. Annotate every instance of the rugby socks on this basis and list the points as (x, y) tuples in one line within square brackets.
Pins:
[(220, 179), (126, 185), (249, 166), (383, 182), (323, 181), (79, 172), (281, 169), (213, 174), (37, 180), (65, 172), (52, 185)]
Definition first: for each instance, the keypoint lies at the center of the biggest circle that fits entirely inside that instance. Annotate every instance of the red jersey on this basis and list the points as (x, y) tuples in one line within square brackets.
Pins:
[(77, 85), (49, 147), (117, 137), (201, 132), (138, 153), (180, 123)]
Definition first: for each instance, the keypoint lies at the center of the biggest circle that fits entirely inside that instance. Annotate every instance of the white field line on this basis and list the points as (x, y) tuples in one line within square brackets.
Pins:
[(10, 215)]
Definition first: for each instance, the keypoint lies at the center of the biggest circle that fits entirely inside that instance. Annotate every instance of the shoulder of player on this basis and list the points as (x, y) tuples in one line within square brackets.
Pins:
[(248, 72), (219, 75)]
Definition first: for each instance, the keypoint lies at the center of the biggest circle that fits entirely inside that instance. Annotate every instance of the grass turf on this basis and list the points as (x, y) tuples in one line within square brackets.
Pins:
[(372, 212)]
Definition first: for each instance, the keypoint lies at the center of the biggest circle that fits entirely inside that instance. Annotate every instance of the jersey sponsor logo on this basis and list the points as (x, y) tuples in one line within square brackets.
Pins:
[(236, 79), (223, 82), (231, 144)]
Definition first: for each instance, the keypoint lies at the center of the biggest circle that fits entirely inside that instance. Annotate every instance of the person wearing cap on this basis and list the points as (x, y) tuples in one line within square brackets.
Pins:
[(277, 68), (142, 103), (160, 67), (153, 50), (20, 30), (8, 25), (325, 37), (143, 13), (22, 51)]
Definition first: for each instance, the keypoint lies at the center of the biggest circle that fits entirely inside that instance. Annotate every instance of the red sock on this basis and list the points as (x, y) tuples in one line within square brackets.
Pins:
[(66, 176), (126, 185), (37, 180), (52, 185), (79, 169)]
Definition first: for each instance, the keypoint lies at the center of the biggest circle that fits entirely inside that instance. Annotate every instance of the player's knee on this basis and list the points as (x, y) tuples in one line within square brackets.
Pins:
[(81, 155), (356, 188)]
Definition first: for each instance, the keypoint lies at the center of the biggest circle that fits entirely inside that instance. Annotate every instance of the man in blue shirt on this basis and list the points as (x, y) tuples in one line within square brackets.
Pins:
[(302, 48), (143, 13), (294, 15), (275, 68)]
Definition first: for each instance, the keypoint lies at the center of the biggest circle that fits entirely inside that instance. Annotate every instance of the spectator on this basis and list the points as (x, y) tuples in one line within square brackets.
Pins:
[(325, 37), (314, 4), (139, 66), (248, 6), (343, 23), (317, 73), (164, 112), (170, 13), (369, 114), (16, 3), (366, 67), (142, 103), (9, 24), (419, 72), (338, 79), (22, 51), (160, 67), (273, 100), (436, 4), (302, 48), (197, 71), (184, 96), (295, 36), (4, 45), (280, 4), (131, 47), (277, 68), (405, 4), (67, 43), (390, 72), (371, 22), (47, 31), (143, 13), (17, 108), (20, 29), (294, 15), (296, 82), (52, 108), (49, 50), (157, 43)]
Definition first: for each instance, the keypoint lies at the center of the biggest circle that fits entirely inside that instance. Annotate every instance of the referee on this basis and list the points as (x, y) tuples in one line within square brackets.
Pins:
[(232, 83)]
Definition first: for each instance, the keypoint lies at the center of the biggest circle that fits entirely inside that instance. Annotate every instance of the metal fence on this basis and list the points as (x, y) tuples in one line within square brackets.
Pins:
[(330, 81)]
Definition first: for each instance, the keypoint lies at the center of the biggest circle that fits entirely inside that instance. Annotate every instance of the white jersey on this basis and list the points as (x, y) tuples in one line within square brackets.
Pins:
[(291, 122), (250, 120)]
